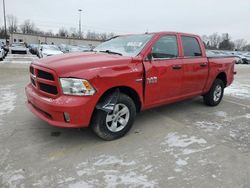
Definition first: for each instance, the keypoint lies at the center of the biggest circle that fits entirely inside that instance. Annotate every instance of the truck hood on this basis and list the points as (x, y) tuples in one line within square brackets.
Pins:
[(74, 64)]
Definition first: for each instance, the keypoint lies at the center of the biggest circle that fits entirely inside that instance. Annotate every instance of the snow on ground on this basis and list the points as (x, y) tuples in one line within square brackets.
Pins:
[(113, 171), (240, 91), (7, 103), (208, 126), (101, 171), (7, 99), (9, 177), (182, 146)]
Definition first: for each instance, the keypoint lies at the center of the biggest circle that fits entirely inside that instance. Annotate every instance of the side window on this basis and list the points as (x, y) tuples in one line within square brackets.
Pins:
[(165, 47), (191, 46)]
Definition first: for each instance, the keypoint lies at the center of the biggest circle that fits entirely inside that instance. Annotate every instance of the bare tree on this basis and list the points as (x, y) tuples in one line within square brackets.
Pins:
[(103, 36), (12, 23), (214, 40), (73, 32), (63, 32), (28, 27), (2, 32), (49, 33), (92, 35), (240, 43), (247, 47), (205, 38), (110, 35), (99, 36)]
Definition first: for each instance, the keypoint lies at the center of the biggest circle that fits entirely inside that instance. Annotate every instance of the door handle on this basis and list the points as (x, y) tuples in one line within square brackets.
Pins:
[(203, 64), (176, 67)]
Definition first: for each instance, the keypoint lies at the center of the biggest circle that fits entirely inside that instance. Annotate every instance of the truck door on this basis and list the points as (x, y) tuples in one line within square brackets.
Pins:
[(195, 66), (163, 71)]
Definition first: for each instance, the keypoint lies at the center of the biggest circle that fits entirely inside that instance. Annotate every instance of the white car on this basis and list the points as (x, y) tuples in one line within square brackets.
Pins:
[(18, 48), (2, 53), (48, 50), (247, 58)]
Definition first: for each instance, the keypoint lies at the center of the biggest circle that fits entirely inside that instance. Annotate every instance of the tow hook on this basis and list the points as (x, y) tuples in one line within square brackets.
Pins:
[(109, 102)]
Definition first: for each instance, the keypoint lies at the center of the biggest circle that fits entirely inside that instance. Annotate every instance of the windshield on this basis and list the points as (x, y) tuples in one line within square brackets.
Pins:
[(130, 45), (17, 44)]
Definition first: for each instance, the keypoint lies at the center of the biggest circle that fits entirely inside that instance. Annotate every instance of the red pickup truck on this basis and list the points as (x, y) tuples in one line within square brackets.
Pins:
[(107, 87)]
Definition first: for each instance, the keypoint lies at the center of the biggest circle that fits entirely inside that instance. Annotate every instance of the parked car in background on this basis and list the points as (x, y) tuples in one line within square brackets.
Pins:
[(33, 48), (73, 48), (212, 53), (2, 53), (78, 48), (64, 48), (5, 48), (240, 56), (18, 48), (246, 59), (48, 50)]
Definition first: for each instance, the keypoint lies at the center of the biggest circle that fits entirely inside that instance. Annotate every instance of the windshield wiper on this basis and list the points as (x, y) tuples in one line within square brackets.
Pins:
[(111, 52)]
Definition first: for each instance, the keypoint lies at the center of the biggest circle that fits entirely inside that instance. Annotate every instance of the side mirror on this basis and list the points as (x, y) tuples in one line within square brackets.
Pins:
[(149, 56)]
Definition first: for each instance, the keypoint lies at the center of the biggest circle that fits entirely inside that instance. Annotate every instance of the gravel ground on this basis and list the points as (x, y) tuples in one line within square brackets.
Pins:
[(186, 144)]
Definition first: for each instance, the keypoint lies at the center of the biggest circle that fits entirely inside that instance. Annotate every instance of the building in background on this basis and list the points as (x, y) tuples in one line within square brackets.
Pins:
[(41, 39)]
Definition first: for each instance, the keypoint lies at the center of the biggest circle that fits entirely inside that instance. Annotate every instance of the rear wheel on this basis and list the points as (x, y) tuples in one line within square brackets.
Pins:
[(113, 125), (215, 94)]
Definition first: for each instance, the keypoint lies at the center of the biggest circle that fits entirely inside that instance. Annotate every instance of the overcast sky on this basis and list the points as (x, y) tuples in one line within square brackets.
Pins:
[(137, 16)]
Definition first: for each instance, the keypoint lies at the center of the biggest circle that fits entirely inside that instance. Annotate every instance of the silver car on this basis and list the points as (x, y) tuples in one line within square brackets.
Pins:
[(18, 48)]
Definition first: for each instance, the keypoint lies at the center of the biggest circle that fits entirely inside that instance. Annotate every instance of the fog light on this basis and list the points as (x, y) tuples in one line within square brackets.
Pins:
[(66, 117)]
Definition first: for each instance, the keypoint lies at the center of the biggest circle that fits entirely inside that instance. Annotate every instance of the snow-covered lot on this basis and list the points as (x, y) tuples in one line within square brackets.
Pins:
[(186, 144)]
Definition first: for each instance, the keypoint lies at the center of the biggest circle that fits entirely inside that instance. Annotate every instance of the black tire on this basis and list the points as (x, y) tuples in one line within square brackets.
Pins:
[(209, 98), (100, 127)]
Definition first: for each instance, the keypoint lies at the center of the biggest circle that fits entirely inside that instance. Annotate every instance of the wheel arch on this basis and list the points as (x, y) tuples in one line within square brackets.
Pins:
[(222, 76), (132, 93)]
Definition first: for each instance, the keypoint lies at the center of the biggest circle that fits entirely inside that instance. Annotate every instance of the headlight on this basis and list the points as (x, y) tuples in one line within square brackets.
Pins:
[(80, 87)]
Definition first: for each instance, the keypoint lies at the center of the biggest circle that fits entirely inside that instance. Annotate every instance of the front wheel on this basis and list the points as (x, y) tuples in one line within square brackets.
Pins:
[(113, 125), (215, 94)]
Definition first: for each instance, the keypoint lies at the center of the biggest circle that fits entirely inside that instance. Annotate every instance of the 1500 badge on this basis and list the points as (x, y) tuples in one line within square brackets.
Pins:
[(152, 80)]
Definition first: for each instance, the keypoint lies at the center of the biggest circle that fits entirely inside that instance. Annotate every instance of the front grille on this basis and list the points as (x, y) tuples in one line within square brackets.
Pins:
[(43, 80), (31, 70), (33, 81), (45, 75), (48, 88)]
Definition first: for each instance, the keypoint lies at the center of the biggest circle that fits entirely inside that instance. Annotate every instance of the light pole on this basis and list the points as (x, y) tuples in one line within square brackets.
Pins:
[(5, 28), (80, 23)]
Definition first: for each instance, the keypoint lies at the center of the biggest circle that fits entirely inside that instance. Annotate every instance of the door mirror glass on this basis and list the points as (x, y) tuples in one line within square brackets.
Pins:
[(149, 56)]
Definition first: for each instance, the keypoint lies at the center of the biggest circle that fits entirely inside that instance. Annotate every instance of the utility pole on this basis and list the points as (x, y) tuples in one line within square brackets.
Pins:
[(80, 23), (5, 28)]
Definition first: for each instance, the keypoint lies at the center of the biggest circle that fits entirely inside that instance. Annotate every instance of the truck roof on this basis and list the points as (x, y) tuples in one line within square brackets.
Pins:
[(161, 33), (171, 32)]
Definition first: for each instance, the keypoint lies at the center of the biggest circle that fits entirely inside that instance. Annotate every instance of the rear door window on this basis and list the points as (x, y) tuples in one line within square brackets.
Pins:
[(191, 47)]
